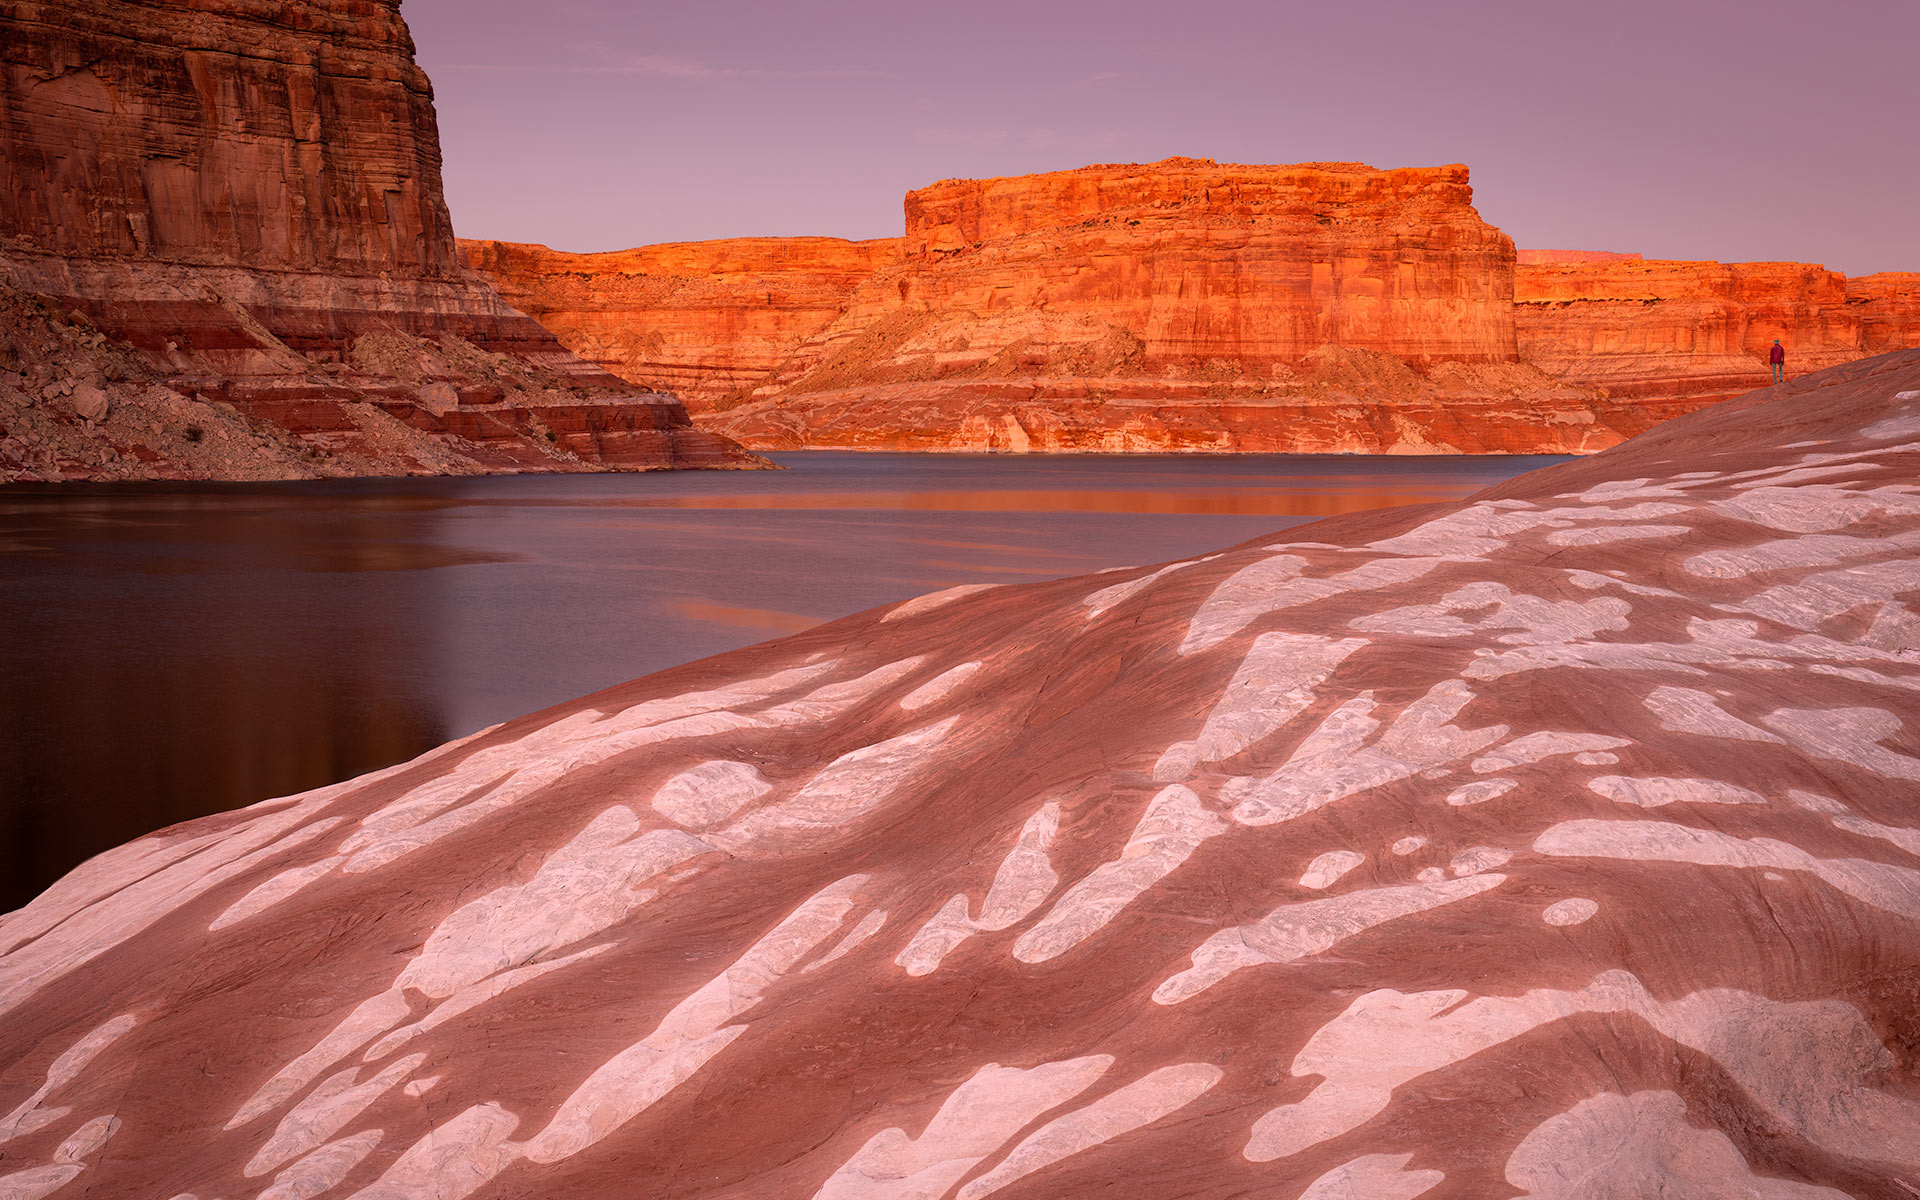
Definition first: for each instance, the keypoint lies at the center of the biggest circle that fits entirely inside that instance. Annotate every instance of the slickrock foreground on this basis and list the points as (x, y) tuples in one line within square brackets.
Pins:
[(224, 253), (1193, 305), (1557, 844)]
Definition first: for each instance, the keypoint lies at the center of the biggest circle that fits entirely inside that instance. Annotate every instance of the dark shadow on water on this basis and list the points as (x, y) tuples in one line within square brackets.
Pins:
[(171, 650)]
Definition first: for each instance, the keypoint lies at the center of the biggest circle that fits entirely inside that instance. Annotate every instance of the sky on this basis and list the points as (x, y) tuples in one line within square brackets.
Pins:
[(1737, 130)]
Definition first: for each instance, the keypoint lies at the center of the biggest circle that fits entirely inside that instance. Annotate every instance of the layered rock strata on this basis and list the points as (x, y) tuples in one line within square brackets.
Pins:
[(244, 195), (1888, 307), (1184, 304), (1189, 305), (702, 320), (1554, 844), (1681, 330)]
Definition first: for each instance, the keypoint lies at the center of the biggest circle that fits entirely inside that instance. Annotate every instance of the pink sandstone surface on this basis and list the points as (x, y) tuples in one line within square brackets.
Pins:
[(1558, 844), (244, 200)]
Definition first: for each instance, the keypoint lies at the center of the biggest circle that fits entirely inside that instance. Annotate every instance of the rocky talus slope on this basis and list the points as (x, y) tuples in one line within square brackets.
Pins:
[(1193, 305), (1554, 844), (247, 197)]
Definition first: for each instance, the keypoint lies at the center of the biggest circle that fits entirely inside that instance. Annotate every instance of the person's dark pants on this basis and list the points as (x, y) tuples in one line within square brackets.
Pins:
[(1779, 372)]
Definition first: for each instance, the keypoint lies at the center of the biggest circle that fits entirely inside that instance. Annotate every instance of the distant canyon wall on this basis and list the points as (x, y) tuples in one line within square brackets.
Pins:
[(1193, 305), (242, 192), (1701, 330), (699, 319)]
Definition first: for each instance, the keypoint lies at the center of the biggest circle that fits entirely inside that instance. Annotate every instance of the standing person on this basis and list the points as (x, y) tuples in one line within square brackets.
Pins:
[(1778, 358)]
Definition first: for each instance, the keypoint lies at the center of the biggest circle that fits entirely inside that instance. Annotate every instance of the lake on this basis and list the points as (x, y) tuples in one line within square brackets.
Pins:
[(170, 650)]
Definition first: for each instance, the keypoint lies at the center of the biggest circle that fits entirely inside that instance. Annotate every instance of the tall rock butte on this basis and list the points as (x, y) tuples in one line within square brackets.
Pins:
[(228, 217), (1192, 305), (1557, 844)]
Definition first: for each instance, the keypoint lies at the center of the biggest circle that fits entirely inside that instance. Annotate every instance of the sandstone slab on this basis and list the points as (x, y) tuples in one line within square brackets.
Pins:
[(1415, 852)]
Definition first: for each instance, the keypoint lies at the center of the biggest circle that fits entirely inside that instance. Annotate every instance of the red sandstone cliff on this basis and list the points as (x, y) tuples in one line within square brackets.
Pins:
[(699, 319), (1189, 305), (1199, 261), (244, 194), (1184, 304), (1671, 330), (1526, 257), (1556, 844), (1888, 308)]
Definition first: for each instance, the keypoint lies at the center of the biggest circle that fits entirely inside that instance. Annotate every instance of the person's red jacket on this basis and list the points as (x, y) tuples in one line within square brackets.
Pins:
[(1778, 354)]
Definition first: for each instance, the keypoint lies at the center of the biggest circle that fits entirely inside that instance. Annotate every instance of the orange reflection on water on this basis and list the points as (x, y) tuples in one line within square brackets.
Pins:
[(769, 619), (1196, 501)]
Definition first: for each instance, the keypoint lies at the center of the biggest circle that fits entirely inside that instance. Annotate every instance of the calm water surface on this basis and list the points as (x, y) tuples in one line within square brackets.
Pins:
[(169, 650)]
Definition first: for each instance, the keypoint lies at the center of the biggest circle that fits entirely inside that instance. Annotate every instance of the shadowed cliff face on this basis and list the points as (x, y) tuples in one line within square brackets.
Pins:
[(1553, 843), (1190, 305), (244, 194)]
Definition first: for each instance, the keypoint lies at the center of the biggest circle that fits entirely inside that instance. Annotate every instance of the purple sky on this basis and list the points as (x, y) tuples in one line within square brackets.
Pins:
[(1728, 129)]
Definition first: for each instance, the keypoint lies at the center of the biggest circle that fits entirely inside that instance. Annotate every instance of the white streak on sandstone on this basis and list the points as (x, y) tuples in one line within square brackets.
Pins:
[(1533, 747), (35, 1182), (1174, 825), (1276, 583), (1536, 619), (858, 935), (1601, 535), (29, 1116), (1472, 531), (1818, 598), (1025, 879), (1807, 550), (843, 791), (141, 861), (323, 1169), (1135, 1106), (1881, 885), (1274, 685), (832, 699), (373, 1017), (1688, 710), (1610, 1146), (324, 1112), (1326, 869), (977, 1119), (473, 996), (84, 1142), (1845, 818), (1373, 1177), (501, 776), (586, 886), (1849, 735), (1108, 598), (1332, 764), (274, 890), (709, 793), (1386, 1038), (933, 600), (452, 1161), (1575, 910), (1296, 931), (1481, 792), (939, 687), (1660, 790), (136, 907), (1476, 859), (691, 1034), (1815, 508)]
